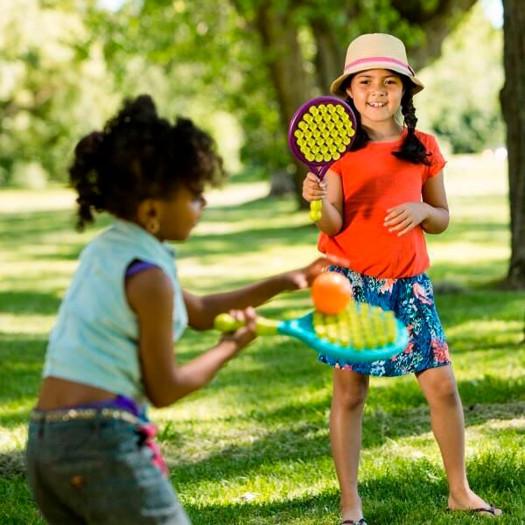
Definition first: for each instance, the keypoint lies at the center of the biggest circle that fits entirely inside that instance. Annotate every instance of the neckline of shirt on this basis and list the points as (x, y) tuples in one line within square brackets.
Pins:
[(136, 230), (389, 142)]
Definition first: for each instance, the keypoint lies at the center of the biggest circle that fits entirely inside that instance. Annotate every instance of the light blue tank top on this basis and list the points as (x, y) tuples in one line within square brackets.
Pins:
[(95, 338)]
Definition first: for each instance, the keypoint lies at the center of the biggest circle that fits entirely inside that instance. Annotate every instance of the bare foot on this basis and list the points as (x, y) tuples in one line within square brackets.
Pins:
[(471, 501)]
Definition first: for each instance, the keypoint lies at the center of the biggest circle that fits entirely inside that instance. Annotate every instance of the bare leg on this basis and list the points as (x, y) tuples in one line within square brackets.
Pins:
[(350, 390), (446, 413)]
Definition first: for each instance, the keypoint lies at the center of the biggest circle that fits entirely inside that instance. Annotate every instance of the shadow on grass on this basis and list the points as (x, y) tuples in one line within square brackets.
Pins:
[(264, 227), (30, 227), (407, 492), (21, 231), (481, 304), (283, 365), (17, 507), (21, 361), (252, 240), (12, 465), (302, 428), (473, 274), (474, 231), (410, 492), (29, 302)]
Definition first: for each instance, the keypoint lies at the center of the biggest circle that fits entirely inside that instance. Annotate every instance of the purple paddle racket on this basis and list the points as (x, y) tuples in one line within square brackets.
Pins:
[(320, 132)]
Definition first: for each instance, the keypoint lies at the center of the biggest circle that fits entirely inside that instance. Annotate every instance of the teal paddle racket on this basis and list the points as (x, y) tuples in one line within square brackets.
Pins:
[(360, 333)]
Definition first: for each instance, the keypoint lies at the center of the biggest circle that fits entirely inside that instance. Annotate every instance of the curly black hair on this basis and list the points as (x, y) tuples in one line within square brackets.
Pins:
[(412, 149), (139, 155)]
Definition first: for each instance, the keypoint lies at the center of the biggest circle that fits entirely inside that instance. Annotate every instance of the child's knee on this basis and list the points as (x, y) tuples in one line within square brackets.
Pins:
[(350, 402), (444, 392), (350, 397)]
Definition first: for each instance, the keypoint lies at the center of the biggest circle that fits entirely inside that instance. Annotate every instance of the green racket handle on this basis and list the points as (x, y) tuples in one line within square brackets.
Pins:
[(316, 208), (226, 323)]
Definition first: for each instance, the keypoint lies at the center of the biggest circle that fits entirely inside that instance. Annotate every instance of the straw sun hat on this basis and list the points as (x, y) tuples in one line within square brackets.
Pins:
[(376, 51)]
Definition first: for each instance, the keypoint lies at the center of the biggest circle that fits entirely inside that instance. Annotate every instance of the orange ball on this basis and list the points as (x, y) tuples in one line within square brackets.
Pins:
[(331, 292)]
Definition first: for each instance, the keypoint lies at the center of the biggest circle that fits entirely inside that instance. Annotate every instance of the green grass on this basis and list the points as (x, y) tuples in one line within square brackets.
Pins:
[(253, 447)]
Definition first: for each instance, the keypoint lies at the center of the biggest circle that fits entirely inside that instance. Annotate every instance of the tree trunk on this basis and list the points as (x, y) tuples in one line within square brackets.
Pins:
[(512, 98), (330, 55), (292, 83)]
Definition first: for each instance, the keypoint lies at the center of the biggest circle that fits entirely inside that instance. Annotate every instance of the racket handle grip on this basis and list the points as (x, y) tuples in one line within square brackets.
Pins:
[(316, 208), (226, 323)]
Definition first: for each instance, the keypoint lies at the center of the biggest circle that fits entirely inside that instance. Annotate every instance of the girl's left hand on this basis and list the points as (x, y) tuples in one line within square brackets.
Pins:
[(405, 217), (303, 277)]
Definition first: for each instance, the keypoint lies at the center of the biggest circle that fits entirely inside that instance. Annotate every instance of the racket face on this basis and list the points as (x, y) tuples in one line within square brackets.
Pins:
[(303, 329), (321, 131)]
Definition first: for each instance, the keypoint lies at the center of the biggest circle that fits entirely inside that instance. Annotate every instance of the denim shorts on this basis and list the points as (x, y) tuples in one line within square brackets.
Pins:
[(412, 301), (98, 471)]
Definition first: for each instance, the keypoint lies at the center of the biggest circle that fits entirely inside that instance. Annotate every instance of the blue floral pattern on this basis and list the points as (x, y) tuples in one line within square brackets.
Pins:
[(412, 300)]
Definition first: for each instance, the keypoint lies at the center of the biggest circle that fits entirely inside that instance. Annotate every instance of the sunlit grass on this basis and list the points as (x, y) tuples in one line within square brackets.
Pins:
[(253, 447)]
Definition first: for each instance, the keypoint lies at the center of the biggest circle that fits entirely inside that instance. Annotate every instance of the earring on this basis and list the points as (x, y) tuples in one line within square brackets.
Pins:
[(153, 225)]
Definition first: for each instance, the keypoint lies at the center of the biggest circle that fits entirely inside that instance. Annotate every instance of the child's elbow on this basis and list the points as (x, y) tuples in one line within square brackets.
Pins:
[(159, 396), (331, 232), (159, 401), (330, 228), (438, 223), (445, 221)]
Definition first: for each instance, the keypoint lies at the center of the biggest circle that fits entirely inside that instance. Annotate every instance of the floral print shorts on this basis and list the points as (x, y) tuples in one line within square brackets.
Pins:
[(412, 300)]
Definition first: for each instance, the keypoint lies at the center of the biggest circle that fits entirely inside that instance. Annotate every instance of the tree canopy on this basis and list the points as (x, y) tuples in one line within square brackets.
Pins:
[(240, 70)]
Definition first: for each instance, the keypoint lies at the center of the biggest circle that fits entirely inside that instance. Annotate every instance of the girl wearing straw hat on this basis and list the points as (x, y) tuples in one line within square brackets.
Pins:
[(378, 201)]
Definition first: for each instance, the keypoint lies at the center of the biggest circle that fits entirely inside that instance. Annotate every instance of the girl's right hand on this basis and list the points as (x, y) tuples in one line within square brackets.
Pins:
[(314, 189), (243, 336)]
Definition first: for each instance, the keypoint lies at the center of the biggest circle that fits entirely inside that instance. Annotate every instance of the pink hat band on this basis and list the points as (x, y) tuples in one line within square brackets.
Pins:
[(375, 60)]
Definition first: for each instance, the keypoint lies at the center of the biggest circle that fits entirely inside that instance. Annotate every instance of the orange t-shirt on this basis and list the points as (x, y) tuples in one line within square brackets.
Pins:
[(373, 181)]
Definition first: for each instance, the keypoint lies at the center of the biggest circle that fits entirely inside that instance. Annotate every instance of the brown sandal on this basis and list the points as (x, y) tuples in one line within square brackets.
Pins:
[(491, 509), (362, 521)]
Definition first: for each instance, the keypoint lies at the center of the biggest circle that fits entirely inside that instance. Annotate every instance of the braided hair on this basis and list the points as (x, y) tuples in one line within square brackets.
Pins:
[(412, 149), (139, 155)]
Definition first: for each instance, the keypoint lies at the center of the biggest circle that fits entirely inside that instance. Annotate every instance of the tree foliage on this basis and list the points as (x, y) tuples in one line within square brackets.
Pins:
[(50, 87), (246, 63), (461, 102)]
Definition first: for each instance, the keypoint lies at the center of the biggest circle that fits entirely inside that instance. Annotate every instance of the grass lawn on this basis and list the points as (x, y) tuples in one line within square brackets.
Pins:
[(253, 447)]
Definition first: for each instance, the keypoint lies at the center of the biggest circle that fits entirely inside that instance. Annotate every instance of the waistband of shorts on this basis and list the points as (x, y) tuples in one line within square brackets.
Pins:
[(84, 414), (349, 271)]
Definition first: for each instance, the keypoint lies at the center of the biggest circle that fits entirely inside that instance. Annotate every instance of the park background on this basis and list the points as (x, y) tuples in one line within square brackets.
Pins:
[(253, 447)]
